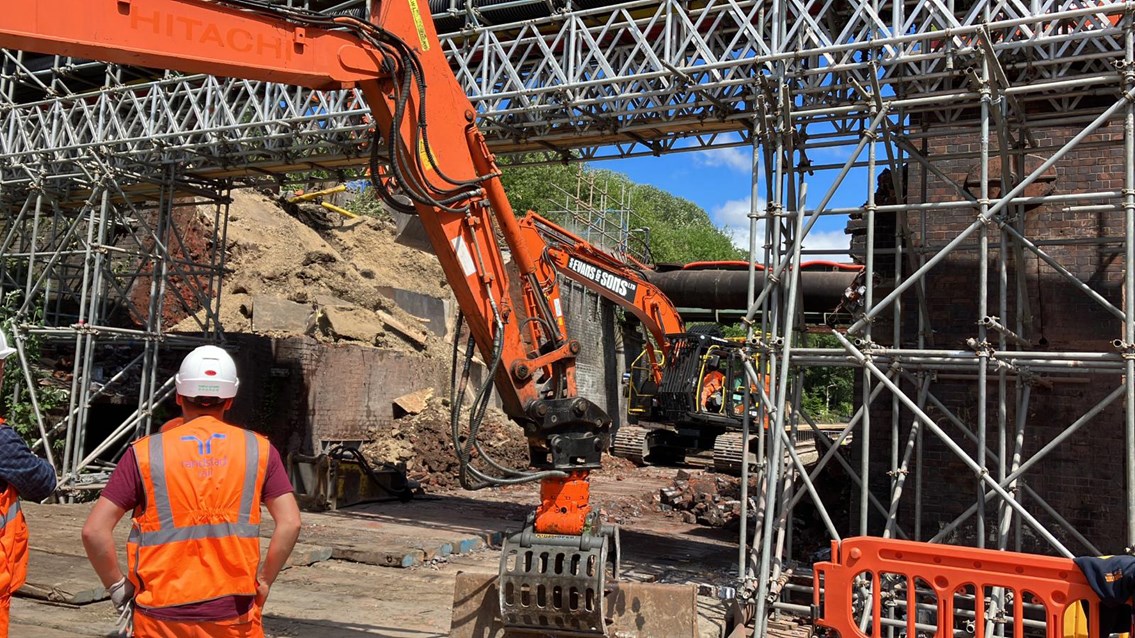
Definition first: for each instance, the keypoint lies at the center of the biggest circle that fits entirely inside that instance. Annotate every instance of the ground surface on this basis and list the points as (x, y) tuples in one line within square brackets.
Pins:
[(338, 597)]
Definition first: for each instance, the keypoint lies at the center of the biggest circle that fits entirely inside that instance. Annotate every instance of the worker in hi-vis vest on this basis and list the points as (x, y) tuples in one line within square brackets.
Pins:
[(195, 488), (22, 475)]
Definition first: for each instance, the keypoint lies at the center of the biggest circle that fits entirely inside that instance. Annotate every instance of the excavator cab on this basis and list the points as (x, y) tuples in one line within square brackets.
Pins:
[(697, 406), (641, 387)]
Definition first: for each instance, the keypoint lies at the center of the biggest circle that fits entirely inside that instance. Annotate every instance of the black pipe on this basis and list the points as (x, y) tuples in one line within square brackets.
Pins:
[(728, 289)]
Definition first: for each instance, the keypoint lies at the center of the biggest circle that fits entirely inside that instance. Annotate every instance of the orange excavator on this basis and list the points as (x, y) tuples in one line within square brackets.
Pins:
[(608, 276), (431, 161), (686, 388)]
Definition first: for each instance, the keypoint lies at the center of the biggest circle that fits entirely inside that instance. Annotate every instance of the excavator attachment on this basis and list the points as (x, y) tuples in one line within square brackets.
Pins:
[(629, 610), (555, 581), (565, 585)]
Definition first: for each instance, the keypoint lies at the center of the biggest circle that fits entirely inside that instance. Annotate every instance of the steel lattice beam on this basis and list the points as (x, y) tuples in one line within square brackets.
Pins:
[(639, 77)]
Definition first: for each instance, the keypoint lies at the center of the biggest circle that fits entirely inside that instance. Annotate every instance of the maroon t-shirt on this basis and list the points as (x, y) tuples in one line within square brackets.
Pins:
[(124, 489)]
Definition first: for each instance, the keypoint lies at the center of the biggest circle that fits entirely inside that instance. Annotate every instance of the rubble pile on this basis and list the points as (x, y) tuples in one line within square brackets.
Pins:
[(703, 498), (423, 442), (286, 278), (714, 500)]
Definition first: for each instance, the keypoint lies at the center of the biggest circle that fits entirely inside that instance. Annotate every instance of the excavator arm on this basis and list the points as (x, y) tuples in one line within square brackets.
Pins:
[(431, 151), (568, 254), (427, 158)]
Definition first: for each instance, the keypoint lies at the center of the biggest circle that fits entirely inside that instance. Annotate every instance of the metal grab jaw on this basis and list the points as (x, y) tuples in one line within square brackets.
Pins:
[(557, 584)]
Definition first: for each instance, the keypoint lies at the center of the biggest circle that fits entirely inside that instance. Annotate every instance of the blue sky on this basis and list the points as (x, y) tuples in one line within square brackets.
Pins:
[(719, 181)]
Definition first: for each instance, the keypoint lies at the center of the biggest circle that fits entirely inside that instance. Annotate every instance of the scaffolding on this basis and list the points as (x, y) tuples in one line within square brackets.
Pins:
[(996, 293), (601, 214), (92, 279)]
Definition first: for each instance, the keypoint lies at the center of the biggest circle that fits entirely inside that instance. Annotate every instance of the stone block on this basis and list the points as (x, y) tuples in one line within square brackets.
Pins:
[(351, 324), (273, 314), (412, 403)]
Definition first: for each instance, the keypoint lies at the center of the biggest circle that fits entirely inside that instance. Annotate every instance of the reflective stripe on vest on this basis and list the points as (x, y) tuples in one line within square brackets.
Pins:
[(168, 532), (10, 515), (194, 532)]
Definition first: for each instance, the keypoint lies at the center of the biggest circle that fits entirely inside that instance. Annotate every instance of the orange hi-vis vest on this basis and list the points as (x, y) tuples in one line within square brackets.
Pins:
[(198, 537), (13, 543)]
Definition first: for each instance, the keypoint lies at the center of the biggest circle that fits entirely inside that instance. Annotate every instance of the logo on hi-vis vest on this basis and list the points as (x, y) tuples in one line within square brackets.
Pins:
[(204, 448), (610, 281)]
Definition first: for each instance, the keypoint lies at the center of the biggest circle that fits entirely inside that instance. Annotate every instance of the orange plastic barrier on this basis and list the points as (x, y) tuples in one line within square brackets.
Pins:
[(946, 584)]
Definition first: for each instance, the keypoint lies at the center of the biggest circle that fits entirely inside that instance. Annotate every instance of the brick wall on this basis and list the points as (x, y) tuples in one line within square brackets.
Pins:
[(1083, 479), (299, 391), (599, 365)]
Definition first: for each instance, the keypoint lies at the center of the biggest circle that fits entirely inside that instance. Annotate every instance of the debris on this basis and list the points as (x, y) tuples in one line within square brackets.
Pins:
[(703, 498), (273, 314), (413, 403), (423, 442), (347, 323), (417, 336), (355, 267)]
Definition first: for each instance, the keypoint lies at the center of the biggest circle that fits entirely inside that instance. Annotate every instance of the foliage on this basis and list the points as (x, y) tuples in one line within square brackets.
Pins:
[(15, 406), (367, 203), (829, 392), (679, 230)]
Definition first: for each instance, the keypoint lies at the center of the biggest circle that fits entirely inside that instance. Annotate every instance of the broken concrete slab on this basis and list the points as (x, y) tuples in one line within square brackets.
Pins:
[(434, 312), (412, 403), (349, 323), (414, 335), (273, 314), (331, 300)]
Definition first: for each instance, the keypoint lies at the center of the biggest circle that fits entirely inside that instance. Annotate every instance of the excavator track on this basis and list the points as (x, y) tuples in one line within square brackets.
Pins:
[(631, 444), (727, 450)]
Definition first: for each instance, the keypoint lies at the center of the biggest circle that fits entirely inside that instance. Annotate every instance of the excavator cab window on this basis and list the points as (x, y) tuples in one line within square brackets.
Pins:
[(712, 394), (737, 388)]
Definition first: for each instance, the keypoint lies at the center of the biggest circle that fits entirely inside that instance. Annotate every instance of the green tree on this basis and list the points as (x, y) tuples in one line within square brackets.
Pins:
[(828, 392), (680, 231), (14, 403)]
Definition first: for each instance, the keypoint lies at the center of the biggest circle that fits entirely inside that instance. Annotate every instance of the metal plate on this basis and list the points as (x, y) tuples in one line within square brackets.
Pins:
[(632, 610)]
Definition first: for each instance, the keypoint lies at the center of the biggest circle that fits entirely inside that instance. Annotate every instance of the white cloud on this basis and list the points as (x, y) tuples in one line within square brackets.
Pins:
[(836, 241), (738, 159), (733, 219)]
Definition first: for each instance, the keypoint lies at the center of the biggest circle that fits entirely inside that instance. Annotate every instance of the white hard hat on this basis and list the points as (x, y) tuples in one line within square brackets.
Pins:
[(5, 349), (208, 371)]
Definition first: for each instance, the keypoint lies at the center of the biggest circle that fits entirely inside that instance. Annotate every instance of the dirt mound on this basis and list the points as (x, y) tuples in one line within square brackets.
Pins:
[(422, 441), (273, 254)]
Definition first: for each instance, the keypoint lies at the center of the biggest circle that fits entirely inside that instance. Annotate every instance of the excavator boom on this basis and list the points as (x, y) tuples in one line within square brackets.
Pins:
[(623, 284)]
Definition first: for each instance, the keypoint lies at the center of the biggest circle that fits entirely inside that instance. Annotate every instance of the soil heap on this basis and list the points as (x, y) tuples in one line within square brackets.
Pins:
[(337, 270)]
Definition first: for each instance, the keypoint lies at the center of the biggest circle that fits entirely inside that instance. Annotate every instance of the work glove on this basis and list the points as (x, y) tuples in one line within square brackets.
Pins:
[(121, 594)]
